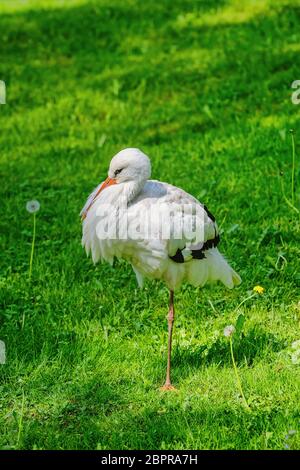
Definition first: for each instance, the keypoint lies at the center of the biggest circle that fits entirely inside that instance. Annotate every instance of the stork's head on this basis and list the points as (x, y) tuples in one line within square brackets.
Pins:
[(129, 165)]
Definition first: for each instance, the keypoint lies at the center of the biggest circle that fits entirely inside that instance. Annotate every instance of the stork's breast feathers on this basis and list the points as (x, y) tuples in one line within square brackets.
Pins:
[(89, 201)]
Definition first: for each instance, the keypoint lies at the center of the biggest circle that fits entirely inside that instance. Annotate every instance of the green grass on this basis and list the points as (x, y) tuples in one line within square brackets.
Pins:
[(204, 88)]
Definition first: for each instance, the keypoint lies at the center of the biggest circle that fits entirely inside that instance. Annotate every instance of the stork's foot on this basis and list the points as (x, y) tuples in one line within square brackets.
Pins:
[(168, 388)]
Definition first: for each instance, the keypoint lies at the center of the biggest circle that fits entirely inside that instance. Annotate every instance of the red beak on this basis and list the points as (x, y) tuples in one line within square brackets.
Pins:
[(108, 182)]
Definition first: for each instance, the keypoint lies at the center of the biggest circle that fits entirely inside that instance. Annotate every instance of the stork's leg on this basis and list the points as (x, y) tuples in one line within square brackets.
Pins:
[(168, 385)]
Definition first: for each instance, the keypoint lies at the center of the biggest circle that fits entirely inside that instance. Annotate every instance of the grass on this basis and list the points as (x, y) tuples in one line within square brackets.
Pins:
[(204, 88)]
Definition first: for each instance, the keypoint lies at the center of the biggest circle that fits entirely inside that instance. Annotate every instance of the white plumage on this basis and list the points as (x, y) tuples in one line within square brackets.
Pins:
[(147, 217)]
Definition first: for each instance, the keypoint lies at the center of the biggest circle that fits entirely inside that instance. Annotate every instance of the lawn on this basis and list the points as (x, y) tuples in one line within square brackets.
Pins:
[(204, 88)]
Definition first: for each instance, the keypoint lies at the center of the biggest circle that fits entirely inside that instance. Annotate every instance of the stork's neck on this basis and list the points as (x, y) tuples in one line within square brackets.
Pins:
[(130, 190)]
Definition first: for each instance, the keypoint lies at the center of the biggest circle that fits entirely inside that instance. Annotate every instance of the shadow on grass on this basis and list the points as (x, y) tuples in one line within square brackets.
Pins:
[(74, 420), (254, 345), (58, 51), (98, 417), (114, 54)]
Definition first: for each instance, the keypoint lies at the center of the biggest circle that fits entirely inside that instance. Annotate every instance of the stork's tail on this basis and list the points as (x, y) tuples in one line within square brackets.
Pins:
[(236, 278), (219, 269)]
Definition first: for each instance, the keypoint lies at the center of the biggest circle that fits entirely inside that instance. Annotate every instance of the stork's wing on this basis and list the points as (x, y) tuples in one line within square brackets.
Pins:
[(192, 227)]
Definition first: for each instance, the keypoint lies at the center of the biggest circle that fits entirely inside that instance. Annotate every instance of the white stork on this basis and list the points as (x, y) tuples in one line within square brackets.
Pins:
[(144, 222)]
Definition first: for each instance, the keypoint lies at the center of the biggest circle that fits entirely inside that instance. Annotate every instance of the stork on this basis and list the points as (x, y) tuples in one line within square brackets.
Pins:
[(162, 231)]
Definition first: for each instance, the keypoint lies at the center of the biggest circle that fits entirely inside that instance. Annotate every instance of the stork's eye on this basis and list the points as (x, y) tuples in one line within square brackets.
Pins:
[(118, 171)]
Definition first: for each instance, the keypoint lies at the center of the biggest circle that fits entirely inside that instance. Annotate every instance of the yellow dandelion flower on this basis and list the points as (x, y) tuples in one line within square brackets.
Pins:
[(259, 289)]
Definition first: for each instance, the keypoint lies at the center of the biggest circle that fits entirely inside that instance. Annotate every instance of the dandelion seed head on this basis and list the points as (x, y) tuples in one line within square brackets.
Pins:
[(295, 357), (259, 289), (33, 206), (229, 330)]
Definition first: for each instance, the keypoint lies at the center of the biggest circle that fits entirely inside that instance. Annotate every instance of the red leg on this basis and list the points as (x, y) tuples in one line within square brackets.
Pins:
[(168, 385)]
